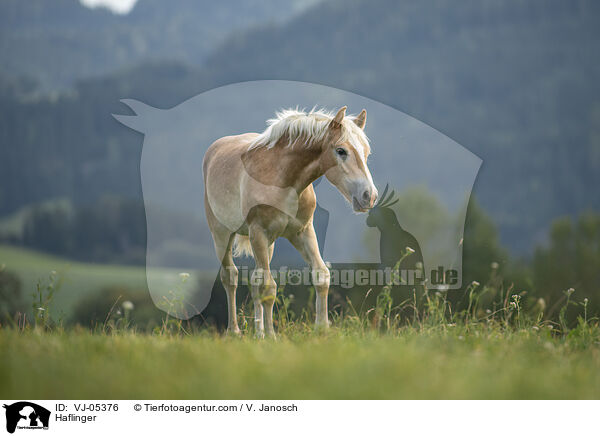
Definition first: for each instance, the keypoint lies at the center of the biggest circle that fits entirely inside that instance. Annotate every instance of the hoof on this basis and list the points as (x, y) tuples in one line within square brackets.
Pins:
[(321, 326), (234, 332)]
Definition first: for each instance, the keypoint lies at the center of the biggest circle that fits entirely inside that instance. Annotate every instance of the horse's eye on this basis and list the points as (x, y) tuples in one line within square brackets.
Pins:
[(341, 152)]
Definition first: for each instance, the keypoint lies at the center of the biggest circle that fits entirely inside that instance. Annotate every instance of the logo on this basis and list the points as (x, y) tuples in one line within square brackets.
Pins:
[(26, 415)]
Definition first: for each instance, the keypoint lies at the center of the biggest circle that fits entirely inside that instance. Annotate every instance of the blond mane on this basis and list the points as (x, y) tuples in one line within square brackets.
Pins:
[(309, 128)]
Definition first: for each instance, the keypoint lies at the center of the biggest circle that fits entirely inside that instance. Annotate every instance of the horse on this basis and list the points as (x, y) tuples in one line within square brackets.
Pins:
[(258, 187)]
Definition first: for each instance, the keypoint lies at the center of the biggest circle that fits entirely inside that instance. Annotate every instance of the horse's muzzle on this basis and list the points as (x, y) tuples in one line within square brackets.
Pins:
[(357, 206), (365, 199)]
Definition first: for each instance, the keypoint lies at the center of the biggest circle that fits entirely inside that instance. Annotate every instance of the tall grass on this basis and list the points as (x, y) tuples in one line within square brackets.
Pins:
[(490, 307), (417, 348)]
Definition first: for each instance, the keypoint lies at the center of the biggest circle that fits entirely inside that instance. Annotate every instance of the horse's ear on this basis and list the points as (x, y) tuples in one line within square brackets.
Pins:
[(340, 115), (361, 119)]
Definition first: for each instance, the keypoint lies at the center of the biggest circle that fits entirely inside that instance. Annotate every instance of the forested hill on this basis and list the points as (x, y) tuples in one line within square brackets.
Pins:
[(514, 81), (60, 41)]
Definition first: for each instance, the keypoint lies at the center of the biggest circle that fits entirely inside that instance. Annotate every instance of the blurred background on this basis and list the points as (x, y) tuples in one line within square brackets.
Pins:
[(513, 81)]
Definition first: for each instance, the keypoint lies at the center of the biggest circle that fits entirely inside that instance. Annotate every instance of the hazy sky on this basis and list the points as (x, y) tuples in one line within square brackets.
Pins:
[(118, 6)]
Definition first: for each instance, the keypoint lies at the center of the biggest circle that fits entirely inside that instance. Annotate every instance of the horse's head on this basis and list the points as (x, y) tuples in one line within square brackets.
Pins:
[(345, 152), (381, 215)]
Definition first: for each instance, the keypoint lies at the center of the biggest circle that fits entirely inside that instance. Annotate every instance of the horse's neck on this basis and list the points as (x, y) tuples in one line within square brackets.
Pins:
[(284, 167)]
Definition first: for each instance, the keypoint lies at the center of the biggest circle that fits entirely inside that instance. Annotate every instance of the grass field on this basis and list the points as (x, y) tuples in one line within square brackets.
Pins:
[(449, 363), (78, 278), (369, 354)]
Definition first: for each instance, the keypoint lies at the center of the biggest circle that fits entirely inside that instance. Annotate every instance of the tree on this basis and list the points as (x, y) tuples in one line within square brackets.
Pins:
[(570, 260)]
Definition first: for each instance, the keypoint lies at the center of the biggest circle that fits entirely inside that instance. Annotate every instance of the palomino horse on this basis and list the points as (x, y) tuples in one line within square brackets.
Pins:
[(258, 187)]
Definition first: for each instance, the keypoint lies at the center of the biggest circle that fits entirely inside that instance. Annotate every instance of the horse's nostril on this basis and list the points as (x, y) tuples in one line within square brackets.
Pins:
[(366, 196)]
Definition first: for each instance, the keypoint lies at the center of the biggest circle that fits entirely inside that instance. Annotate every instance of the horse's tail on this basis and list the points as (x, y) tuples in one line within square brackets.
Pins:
[(241, 246)]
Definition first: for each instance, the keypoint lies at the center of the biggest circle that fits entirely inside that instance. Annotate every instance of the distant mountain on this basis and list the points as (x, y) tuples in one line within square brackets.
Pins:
[(60, 41)]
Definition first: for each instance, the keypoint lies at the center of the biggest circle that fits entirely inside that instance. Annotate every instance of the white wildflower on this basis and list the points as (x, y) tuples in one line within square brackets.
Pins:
[(184, 276), (127, 305)]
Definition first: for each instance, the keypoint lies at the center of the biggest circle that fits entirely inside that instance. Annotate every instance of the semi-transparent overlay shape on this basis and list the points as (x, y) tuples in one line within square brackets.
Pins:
[(431, 174)]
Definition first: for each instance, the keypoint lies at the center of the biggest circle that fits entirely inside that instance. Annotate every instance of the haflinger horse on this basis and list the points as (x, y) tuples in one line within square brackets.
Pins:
[(258, 187)]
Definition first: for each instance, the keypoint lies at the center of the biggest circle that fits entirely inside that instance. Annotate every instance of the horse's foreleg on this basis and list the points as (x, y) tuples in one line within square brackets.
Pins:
[(306, 243), (264, 288)]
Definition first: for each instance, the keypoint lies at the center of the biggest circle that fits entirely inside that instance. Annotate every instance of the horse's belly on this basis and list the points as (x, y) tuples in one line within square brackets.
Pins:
[(255, 193), (231, 203)]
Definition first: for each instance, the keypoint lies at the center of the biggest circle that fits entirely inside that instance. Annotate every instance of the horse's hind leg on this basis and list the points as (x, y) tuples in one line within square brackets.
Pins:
[(264, 288), (229, 278), (223, 240)]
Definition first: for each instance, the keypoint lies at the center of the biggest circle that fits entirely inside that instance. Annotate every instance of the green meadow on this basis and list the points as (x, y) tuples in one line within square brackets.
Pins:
[(438, 363), (368, 352), (77, 279)]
